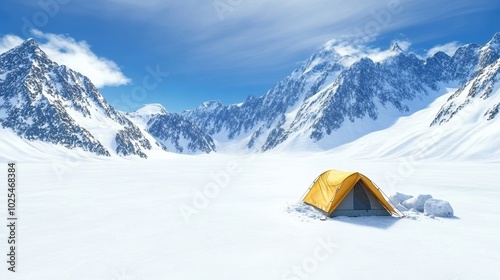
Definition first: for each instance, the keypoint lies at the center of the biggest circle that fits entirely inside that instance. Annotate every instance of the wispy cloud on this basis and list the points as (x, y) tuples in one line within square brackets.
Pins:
[(449, 49), (353, 51), (77, 55), (8, 42), (261, 32), (260, 35), (250, 32)]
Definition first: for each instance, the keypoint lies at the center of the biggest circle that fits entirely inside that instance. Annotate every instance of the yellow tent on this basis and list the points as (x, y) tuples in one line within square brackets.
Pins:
[(342, 193)]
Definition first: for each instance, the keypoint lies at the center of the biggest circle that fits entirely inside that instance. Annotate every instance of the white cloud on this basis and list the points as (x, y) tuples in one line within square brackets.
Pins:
[(251, 35), (8, 42), (234, 30), (448, 49), (244, 32), (257, 34), (77, 55), (353, 52)]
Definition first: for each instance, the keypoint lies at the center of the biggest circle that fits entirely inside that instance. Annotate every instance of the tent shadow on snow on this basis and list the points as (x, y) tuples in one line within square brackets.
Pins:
[(376, 222)]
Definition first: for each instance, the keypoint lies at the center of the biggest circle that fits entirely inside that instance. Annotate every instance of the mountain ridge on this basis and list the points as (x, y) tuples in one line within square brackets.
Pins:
[(325, 94), (328, 101)]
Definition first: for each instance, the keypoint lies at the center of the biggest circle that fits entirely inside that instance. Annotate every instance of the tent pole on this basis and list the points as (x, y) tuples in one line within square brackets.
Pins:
[(335, 195), (399, 213), (310, 186)]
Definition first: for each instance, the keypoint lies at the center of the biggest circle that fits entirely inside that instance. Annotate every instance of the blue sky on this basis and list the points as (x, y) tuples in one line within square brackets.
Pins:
[(181, 53)]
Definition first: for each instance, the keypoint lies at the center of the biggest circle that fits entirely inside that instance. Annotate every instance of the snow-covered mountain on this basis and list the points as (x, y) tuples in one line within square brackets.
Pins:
[(331, 99), (173, 131), (478, 98), (248, 123), (41, 100), (327, 102)]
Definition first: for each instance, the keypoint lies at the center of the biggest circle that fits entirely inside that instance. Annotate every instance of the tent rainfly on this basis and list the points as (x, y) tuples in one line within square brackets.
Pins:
[(342, 193)]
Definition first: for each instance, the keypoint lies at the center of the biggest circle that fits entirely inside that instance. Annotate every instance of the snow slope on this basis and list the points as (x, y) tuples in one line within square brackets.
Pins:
[(14, 149), (333, 95), (468, 136), (124, 219)]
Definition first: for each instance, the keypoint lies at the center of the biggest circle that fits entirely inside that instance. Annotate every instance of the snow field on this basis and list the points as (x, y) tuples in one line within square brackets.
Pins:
[(123, 219)]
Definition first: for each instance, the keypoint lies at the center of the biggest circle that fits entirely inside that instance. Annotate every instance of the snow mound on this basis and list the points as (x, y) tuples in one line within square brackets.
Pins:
[(417, 203), (305, 212), (438, 208), (413, 207), (397, 198), (401, 208)]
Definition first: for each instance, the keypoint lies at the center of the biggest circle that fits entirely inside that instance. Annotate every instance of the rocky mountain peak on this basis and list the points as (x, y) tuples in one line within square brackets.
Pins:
[(325, 97), (494, 43), (26, 53), (396, 48), (46, 102)]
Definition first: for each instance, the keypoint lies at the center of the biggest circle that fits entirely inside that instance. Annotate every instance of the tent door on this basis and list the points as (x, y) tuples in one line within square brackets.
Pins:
[(361, 200)]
